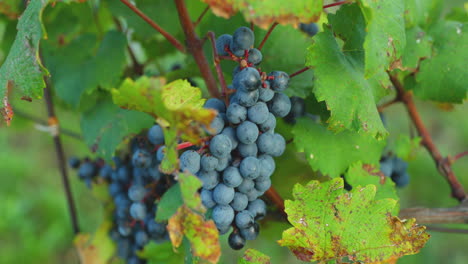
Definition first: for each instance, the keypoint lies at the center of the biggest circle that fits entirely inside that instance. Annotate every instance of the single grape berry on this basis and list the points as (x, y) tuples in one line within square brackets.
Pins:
[(223, 42), (247, 132), (246, 99), (248, 79), (242, 39), (239, 202), (75, 162), (250, 168), (310, 29), (280, 105), (190, 161), (141, 158), (208, 162), (258, 113), (236, 241), (244, 219), (232, 177), (209, 179), (156, 135), (248, 150), (278, 80), (255, 56), (231, 133), (223, 194), (216, 104), (220, 146), (257, 208), (207, 198), (236, 113), (222, 215)]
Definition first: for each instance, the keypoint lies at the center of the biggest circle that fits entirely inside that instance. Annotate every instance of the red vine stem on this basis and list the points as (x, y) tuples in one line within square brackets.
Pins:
[(199, 19), (219, 71), (458, 156), (267, 35), (299, 72), (444, 167), (276, 199), (196, 48), (53, 121), (336, 4), (154, 25)]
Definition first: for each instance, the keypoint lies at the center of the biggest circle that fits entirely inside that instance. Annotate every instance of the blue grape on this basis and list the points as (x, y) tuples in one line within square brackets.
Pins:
[(138, 211), (257, 208), (247, 132), (310, 28), (250, 168), (280, 105), (236, 113), (386, 167), (232, 177), (216, 125), (141, 158), (239, 202), (106, 172), (208, 162), (123, 248), (265, 93), (190, 161), (244, 219), (246, 99), (161, 153), (115, 188), (401, 179), (267, 166), (255, 56), (269, 125), (297, 109), (223, 229), (250, 233), (399, 165), (87, 170), (242, 39), (156, 135), (134, 260), (258, 113), (246, 186), (216, 104), (155, 229), (141, 238), (123, 174), (136, 193), (154, 173), (222, 42), (124, 229), (222, 194), (263, 185), (280, 145), (209, 179), (231, 133), (75, 162), (223, 163), (266, 143), (253, 194), (222, 215), (279, 82), (247, 150), (236, 241), (247, 80), (207, 198), (220, 146)]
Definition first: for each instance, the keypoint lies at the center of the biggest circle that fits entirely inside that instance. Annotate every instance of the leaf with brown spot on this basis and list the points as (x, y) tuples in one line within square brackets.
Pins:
[(360, 227), (203, 235), (97, 248), (252, 256), (264, 13)]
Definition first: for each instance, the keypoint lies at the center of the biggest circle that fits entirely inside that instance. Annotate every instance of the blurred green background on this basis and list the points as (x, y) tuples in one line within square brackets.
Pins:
[(35, 225)]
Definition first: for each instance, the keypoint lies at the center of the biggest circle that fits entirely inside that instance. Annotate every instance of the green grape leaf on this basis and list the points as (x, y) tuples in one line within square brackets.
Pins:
[(385, 38), (169, 203), (363, 175), (422, 13), (418, 47), (264, 13), (98, 248), (106, 125), (189, 185), (333, 153), (10, 8), (203, 235), (161, 253), (81, 67), (406, 147), (442, 78), (330, 223), (23, 69), (252, 256), (339, 75), (177, 106)]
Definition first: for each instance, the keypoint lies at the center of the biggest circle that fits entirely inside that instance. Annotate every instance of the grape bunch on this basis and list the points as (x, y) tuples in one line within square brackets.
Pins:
[(236, 163), (135, 185), (396, 169)]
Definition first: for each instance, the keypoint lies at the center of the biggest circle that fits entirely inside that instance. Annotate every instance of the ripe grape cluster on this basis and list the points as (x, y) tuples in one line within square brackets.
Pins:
[(396, 169), (135, 184), (236, 163)]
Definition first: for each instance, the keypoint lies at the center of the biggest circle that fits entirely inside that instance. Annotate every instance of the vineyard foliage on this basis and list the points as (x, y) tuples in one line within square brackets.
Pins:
[(103, 61)]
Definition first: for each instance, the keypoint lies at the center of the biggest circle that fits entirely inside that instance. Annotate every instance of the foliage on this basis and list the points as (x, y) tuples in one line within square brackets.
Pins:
[(117, 73)]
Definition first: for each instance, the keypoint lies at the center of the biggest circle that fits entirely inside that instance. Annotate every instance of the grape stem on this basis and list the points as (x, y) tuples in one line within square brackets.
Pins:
[(336, 4), (276, 199), (154, 25), (299, 72), (267, 36), (195, 47), (138, 68), (53, 121), (447, 230), (458, 156), (219, 71), (382, 107), (451, 215), (199, 19), (443, 165)]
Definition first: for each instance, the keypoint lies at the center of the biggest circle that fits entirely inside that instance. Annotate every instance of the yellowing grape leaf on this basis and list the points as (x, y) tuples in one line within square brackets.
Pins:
[(95, 249), (177, 106), (189, 185), (252, 256), (330, 223), (203, 235), (23, 69), (264, 13)]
